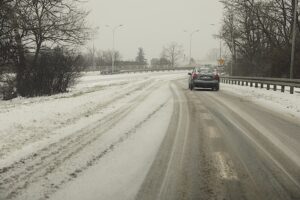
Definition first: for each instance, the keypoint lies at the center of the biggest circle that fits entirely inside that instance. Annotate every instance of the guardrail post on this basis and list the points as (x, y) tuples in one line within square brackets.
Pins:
[(261, 85), (239, 82), (275, 88), (247, 83), (242, 83), (282, 88), (268, 86), (251, 84), (291, 89), (256, 84)]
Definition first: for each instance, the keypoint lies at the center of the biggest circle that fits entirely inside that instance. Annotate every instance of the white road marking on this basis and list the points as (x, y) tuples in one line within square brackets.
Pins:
[(178, 132)]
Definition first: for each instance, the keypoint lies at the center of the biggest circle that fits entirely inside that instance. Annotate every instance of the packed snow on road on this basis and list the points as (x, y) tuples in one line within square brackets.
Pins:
[(99, 140)]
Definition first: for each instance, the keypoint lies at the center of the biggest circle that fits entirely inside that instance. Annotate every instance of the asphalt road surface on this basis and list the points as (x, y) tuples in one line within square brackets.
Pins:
[(220, 146)]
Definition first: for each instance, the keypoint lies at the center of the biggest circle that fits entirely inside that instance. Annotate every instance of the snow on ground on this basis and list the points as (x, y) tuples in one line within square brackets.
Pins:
[(28, 124), (142, 102), (123, 171), (275, 100)]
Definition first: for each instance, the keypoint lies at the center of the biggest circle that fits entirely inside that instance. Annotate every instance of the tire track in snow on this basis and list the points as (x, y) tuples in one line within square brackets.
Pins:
[(19, 176), (40, 133)]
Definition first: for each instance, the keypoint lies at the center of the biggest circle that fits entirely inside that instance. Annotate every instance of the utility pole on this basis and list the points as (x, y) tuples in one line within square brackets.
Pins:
[(220, 48), (233, 55), (218, 36), (233, 45), (294, 40)]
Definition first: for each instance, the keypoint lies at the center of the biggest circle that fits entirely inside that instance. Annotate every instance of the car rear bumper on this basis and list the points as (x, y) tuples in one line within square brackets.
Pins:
[(206, 84)]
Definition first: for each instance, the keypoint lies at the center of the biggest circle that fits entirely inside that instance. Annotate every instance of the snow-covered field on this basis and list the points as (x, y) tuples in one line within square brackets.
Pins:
[(119, 115)]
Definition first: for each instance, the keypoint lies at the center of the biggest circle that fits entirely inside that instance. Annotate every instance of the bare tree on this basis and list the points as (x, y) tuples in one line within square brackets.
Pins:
[(258, 34), (55, 22), (38, 24), (172, 52), (140, 59), (7, 45)]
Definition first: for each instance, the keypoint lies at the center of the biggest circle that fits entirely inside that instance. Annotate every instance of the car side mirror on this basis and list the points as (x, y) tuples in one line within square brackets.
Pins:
[(190, 74)]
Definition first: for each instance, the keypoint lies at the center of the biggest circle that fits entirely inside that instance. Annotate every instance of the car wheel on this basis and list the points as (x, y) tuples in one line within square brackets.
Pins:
[(216, 88)]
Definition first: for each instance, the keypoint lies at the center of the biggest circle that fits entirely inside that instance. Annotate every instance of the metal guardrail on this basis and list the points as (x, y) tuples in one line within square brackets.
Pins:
[(268, 82), (155, 70)]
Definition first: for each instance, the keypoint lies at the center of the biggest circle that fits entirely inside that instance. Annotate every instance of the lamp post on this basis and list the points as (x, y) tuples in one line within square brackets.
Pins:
[(113, 45), (191, 38), (294, 40)]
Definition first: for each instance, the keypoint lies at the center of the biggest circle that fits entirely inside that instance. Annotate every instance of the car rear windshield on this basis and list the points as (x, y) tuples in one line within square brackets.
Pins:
[(204, 70)]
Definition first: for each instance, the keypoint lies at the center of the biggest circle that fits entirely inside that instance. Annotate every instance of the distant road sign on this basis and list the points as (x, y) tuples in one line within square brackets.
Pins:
[(221, 61)]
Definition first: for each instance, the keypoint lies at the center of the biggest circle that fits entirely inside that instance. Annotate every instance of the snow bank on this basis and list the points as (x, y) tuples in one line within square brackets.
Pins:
[(275, 100)]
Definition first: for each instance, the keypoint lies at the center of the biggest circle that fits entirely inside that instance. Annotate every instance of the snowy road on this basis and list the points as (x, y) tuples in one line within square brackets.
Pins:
[(221, 146), (146, 136)]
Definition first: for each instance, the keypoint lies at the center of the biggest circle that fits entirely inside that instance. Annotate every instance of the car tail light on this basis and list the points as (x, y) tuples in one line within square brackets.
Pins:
[(194, 75), (216, 77)]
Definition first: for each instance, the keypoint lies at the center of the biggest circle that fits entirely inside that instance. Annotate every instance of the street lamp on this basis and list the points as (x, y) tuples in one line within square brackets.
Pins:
[(191, 38), (113, 47)]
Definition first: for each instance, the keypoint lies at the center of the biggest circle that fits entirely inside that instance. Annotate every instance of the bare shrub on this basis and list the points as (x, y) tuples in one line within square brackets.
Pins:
[(56, 70)]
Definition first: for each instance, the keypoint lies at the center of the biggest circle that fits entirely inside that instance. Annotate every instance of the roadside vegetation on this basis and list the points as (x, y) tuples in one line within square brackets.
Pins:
[(38, 42), (259, 36)]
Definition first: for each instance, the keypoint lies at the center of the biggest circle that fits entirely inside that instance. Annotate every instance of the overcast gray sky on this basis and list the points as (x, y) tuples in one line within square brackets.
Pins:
[(151, 24)]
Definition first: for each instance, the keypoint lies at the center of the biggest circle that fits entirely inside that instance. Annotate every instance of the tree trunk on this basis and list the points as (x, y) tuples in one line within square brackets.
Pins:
[(21, 65)]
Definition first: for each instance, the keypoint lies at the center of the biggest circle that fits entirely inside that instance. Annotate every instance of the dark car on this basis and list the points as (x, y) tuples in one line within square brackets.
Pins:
[(202, 77)]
